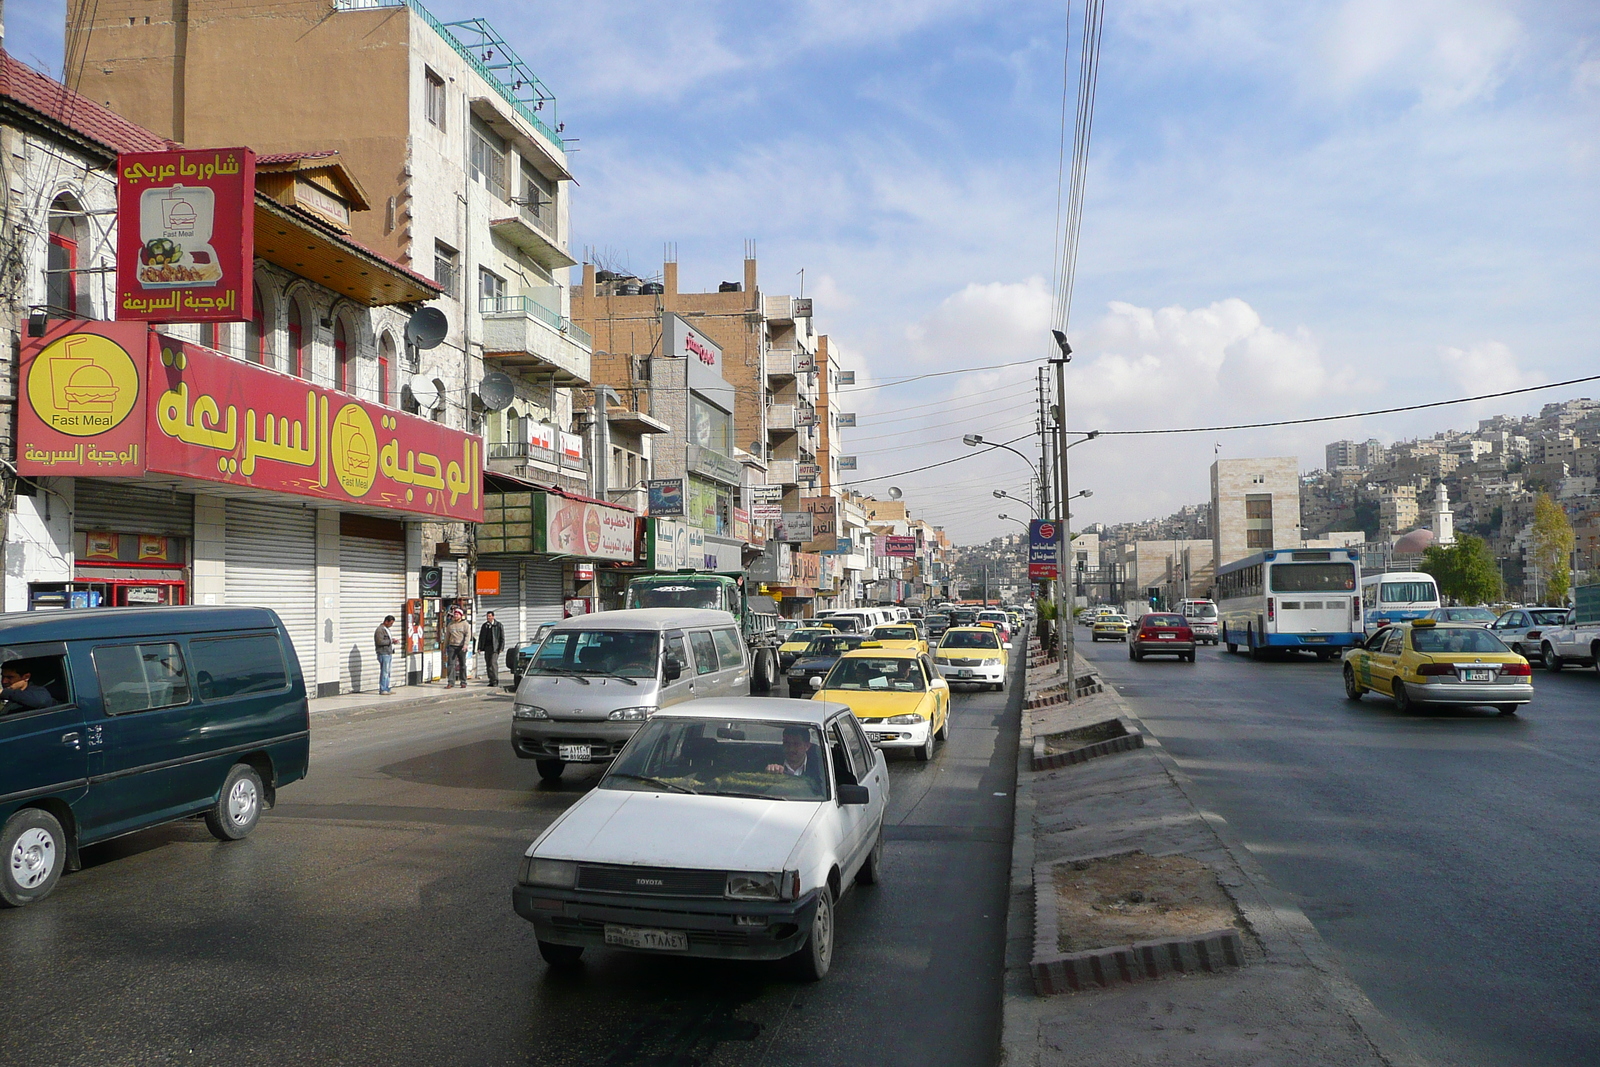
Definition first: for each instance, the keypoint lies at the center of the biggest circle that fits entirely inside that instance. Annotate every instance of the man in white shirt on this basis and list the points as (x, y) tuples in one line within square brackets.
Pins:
[(796, 752)]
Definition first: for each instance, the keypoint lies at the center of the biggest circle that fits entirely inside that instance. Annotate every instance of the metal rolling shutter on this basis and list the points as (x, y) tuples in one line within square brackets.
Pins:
[(372, 584), (541, 594), (507, 607), (272, 563), (131, 509)]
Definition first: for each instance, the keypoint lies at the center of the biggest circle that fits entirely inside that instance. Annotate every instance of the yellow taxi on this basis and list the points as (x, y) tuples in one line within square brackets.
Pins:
[(972, 654), (899, 635), (795, 643), (1109, 627), (1429, 662), (896, 694)]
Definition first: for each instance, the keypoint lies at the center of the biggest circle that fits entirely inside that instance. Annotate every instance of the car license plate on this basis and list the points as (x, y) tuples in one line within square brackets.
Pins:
[(1477, 676), (1315, 640), (1168, 637), (573, 753), (642, 937), (963, 673)]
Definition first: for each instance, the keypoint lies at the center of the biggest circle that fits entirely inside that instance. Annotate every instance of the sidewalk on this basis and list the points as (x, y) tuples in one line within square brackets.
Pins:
[(1289, 1003), (404, 696)]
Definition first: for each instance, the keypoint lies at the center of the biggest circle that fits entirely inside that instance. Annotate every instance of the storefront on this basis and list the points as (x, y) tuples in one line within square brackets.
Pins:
[(130, 547)]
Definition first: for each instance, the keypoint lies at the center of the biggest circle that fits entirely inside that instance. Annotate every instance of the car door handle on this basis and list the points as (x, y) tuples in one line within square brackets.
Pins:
[(70, 739)]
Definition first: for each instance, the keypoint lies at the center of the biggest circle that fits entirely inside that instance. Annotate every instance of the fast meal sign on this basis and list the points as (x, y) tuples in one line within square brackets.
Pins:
[(186, 235), (118, 400)]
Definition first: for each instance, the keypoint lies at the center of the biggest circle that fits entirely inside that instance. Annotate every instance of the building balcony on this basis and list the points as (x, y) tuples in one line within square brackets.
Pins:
[(778, 309), (783, 472), (781, 418), (522, 334), (534, 232), (781, 362)]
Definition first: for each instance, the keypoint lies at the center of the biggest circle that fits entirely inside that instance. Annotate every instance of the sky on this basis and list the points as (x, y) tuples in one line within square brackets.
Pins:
[(1292, 209)]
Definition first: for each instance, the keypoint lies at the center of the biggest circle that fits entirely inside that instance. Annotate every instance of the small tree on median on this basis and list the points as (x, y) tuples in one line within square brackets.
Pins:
[(1551, 546), (1465, 571)]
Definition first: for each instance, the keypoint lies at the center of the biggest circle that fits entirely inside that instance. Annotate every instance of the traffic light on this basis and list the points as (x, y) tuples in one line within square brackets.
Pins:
[(1155, 596)]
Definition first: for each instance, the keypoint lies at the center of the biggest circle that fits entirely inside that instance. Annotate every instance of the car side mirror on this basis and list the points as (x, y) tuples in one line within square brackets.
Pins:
[(854, 794), (816, 681), (672, 670)]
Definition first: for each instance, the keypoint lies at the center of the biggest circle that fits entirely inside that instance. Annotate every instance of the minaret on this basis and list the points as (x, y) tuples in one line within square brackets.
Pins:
[(1444, 520)]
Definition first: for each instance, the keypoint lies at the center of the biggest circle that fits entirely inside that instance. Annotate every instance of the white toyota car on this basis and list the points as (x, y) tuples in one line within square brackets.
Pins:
[(726, 828)]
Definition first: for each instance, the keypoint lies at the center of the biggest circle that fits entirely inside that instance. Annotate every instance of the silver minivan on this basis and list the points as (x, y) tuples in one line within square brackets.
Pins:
[(597, 678)]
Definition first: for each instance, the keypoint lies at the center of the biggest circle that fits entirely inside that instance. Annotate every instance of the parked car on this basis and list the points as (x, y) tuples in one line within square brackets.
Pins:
[(1473, 616), (725, 828), (1523, 628), (896, 693), (115, 720), (899, 635), (1429, 662), (972, 654), (1161, 633), (817, 660), (598, 677), (1109, 627)]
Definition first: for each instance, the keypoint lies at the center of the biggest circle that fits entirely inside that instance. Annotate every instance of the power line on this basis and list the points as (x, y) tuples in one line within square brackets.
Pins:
[(937, 374), (941, 463), (1353, 414)]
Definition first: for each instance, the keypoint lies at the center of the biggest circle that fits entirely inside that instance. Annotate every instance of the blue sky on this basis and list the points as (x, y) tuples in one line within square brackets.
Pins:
[(1293, 209)]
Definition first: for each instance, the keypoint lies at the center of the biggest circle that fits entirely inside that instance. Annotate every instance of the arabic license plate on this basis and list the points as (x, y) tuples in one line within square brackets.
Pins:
[(1168, 637), (963, 673), (1315, 640), (1477, 676), (641, 937), (573, 753)]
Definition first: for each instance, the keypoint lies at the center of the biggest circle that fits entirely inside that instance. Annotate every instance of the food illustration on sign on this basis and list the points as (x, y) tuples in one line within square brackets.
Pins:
[(175, 225), (83, 385)]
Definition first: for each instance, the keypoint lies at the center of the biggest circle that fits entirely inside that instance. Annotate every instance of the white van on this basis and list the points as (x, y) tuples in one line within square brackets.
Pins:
[(1202, 617)]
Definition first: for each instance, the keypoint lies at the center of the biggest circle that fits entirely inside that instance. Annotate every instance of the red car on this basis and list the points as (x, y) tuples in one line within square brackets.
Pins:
[(1162, 634)]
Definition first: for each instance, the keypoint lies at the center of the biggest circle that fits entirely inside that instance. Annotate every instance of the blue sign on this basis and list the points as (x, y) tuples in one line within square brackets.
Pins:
[(1044, 546)]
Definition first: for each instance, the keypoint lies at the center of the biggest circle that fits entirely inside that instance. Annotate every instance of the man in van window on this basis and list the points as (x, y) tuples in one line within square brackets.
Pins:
[(492, 642), (383, 644), (18, 692), (456, 635)]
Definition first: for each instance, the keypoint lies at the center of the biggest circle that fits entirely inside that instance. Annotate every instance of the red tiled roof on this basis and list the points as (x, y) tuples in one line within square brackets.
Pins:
[(293, 157), (53, 101)]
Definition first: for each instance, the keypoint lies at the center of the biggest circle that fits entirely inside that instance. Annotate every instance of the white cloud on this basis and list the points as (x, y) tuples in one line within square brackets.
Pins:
[(1448, 52), (1487, 367)]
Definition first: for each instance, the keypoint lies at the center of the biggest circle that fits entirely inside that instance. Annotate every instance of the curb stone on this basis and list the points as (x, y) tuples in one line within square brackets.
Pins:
[(1043, 762)]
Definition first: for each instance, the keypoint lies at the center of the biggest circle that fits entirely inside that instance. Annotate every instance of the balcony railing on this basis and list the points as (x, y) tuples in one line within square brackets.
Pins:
[(530, 306)]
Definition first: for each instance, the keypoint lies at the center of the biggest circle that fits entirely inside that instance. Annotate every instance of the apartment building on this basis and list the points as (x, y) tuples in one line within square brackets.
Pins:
[(1255, 505)]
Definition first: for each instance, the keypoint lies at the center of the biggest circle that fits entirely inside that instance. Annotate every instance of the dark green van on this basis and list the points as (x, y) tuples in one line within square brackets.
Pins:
[(119, 719)]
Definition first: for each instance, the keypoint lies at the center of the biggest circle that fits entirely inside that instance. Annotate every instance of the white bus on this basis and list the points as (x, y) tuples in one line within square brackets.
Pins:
[(1308, 599), (1397, 596)]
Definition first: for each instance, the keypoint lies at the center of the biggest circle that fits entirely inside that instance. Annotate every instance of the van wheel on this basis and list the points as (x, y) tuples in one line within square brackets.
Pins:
[(815, 958), (560, 956), (238, 806), (550, 769), (33, 850)]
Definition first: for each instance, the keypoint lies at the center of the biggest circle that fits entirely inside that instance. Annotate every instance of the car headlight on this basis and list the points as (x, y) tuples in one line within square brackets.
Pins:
[(631, 714), (796, 672), (904, 720), (558, 874), (942, 659), (528, 711), (743, 886)]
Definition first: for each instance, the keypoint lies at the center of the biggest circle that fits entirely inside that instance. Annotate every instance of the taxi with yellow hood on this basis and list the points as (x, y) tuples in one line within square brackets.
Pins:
[(895, 693), (1430, 662), (796, 641), (972, 654), (899, 635)]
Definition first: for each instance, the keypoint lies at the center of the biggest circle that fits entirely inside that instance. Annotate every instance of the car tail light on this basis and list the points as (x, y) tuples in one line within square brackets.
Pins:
[(1519, 670), (1272, 609), (1436, 668), (1532, 635)]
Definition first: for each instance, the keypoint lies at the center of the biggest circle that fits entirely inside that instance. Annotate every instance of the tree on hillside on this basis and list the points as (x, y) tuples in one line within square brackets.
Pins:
[(1551, 548), (1465, 571)]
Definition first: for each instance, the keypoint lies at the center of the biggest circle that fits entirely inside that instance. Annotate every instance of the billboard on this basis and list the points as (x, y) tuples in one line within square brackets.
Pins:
[(766, 502), (1044, 546), (905, 547), (666, 496), (186, 235), (846, 419), (794, 526), (585, 528), (824, 512)]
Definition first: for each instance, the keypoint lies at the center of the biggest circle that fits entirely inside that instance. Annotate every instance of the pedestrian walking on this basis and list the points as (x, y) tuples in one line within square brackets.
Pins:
[(492, 642), (383, 642), (456, 635)]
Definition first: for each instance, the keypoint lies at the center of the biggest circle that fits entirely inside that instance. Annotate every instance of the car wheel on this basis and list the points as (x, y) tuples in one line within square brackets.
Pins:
[(550, 769), (33, 849), (872, 867), (814, 959), (560, 956), (1000, 686), (1352, 688), (1506, 709), (1402, 699), (238, 805), (944, 727), (925, 750), (1552, 662)]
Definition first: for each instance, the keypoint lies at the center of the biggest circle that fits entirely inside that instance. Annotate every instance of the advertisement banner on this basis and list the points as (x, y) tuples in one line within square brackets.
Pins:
[(186, 235), (119, 400), (847, 463), (794, 526), (666, 496), (808, 472), (766, 502), (807, 568), (824, 523), (1044, 545), (583, 528), (846, 419), (741, 524), (904, 547)]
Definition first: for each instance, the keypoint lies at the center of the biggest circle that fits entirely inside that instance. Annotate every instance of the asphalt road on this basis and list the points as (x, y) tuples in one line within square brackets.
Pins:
[(368, 921), (1447, 856)]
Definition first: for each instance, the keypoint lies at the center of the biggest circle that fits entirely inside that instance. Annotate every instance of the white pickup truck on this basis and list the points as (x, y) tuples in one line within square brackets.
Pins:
[(1578, 639)]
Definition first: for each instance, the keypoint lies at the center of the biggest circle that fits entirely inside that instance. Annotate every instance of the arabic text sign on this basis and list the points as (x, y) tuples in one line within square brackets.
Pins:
[(80, 410), (186, 235), (905, 547), (1044, 544), (824, 523), (582, 528), (766, 502), (795, 526)]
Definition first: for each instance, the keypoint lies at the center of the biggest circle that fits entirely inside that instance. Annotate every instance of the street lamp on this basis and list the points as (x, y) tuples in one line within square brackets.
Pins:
[(1001, 494), (973, 439), (1013, 518)]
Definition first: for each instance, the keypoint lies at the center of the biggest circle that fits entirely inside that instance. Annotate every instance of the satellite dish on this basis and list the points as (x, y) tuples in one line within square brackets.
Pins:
[(426, 328), (425, 391), (496, 391), (895, 493)]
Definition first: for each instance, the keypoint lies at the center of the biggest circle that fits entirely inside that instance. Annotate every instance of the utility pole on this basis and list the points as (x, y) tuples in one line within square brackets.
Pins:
[(1044, 468), (1067, 644)]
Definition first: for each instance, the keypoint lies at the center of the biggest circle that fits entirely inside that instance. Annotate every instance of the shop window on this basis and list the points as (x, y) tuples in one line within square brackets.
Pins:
[(141, 677), (434, 98), (255, 334), (235, 666), (344, 370), (68, 225), (299, 339)]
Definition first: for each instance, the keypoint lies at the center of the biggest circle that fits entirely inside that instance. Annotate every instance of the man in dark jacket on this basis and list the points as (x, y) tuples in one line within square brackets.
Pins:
[(492, 642)]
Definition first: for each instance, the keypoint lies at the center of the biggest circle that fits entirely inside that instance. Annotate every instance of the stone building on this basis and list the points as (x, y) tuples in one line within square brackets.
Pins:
[(1255, 505)]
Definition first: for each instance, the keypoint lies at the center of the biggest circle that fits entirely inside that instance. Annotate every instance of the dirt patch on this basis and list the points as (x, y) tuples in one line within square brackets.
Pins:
[(1122, 899), (1083, 737)]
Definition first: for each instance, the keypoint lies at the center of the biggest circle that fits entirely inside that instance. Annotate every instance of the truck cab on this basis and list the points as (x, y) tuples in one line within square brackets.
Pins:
[(757, 615)]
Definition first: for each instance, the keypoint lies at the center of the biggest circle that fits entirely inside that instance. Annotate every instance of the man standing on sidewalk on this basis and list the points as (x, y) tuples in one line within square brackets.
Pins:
[(383, 641), (492, 642), (456, 635)]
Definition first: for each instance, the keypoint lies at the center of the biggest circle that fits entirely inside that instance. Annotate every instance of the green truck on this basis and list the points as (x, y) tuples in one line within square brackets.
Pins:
[(757, 615)]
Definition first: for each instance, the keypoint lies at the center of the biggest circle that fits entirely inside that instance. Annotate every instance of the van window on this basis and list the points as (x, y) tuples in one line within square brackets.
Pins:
[(705, 653), (141, 677), (676, 653), (730, 650), (234, 666), (32, 683)]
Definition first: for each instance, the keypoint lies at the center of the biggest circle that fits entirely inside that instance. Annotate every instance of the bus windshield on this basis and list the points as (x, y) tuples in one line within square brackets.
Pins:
[(1407, 593), (1313, 577), (677, 595)]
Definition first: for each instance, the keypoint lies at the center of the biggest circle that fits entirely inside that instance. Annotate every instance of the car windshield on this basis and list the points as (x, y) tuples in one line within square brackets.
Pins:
[(629, 653), (1407, 592), (895, 633), (806, 636), (1313, 577), (969, 639), (994, 616), (731, 757), (1468, 615), (832, 645), (1549, 618), (1456, 639), (873, 673), (677, 595)]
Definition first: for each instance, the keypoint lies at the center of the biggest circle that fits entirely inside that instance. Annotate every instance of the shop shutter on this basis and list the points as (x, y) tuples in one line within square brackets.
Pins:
[(542, 594), (272, 563), (507, 607), (127, 508), (372, 584)]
